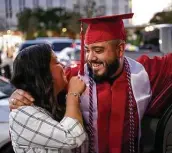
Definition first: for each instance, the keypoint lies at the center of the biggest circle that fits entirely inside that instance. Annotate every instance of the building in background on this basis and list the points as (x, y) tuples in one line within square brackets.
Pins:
[(103, 7), (10, 8)]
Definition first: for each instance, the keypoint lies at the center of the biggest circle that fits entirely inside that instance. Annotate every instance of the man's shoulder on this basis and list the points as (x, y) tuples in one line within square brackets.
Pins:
[(142, 59), (148, 61), (154, 59)]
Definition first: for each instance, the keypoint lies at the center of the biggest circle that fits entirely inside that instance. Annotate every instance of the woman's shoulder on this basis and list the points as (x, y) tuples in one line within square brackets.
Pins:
[(24, 109), (24, 112)]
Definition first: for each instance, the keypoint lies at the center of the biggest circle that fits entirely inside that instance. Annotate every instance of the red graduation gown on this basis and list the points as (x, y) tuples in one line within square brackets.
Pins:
[(159, 70), (112, 101)]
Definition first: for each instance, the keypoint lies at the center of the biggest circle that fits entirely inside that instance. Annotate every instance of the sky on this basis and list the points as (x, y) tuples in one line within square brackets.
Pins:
[(145, 9)]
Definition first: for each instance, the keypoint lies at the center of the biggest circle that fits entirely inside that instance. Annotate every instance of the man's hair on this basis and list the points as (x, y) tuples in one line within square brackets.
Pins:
[(116, 42), (31, 73)]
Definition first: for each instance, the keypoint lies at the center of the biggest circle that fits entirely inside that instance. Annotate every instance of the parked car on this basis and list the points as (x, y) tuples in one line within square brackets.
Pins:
[(28, 43), (6, 90), (5, 86), (131, 48), (77, 42), (49, 38), (70, 56), (58, 44), (149, 48)]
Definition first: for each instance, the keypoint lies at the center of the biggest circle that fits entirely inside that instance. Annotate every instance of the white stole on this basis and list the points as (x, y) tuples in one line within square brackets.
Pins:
[(141, 90)]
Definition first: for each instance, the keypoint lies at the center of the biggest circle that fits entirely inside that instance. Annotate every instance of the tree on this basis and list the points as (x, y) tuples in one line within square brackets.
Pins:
[(32, 27), (23, 19), (162, 17), (74, 24), (56, 19), (40, 21)]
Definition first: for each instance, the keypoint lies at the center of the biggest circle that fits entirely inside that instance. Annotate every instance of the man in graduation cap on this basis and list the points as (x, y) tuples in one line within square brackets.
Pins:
[(120, 91)]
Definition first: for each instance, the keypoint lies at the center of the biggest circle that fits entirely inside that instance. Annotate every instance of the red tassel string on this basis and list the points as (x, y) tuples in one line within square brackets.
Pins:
[(82, 61)]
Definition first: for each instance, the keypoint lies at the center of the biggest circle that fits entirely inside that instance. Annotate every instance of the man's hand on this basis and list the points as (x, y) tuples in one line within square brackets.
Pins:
[(20, 98)]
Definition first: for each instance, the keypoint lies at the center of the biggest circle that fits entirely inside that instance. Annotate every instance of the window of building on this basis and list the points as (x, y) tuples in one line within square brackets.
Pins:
[(8, 9), (126, 9), (102, 2), (101, 10), (21, 5), (35, 3), (49, 3), (115, 6), (62, 3), (115, 2), (76, 8)]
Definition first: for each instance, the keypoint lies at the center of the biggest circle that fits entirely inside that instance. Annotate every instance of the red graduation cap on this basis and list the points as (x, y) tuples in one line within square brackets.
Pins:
[(101, 29)]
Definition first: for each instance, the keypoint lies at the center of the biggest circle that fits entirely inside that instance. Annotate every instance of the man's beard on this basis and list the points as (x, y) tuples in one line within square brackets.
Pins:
[(110, 71)]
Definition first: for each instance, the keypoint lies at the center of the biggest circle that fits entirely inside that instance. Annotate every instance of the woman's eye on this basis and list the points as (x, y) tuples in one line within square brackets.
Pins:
[(58, 63)]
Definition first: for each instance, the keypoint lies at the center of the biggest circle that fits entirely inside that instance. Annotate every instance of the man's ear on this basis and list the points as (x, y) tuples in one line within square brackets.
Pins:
[(121, 50)]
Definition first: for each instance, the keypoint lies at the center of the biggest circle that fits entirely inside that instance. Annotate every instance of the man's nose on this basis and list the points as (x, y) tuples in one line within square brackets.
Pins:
[(91, 56)]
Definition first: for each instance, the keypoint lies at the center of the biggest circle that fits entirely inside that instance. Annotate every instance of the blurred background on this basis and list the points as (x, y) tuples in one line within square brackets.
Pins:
[(56, 21), (27, 22)]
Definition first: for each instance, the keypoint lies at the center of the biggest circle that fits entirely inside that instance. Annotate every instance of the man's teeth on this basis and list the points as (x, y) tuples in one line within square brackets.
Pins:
[(95, 65)]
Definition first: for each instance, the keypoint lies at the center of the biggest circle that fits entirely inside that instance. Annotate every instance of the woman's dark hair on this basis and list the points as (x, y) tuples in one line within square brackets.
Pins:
[(31, 72)]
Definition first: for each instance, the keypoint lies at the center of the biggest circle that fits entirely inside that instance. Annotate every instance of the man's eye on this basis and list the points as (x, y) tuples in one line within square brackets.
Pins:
[(98, 50), (87, 51)]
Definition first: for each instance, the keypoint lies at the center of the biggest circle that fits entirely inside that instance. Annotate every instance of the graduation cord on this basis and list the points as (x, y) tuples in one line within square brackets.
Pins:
[(89, 127), (130, 109), (90, 124)]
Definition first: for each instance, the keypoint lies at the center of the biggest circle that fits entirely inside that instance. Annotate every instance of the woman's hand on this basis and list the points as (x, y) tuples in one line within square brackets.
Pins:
[(76, 85), (20, 98)]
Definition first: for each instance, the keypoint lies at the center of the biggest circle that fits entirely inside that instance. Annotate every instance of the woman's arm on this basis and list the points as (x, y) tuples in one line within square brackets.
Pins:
[(73, 108), (75, 89), (31, 127)]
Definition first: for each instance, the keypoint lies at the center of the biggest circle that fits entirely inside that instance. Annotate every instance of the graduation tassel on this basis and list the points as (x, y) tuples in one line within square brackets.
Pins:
[(82, 60)]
